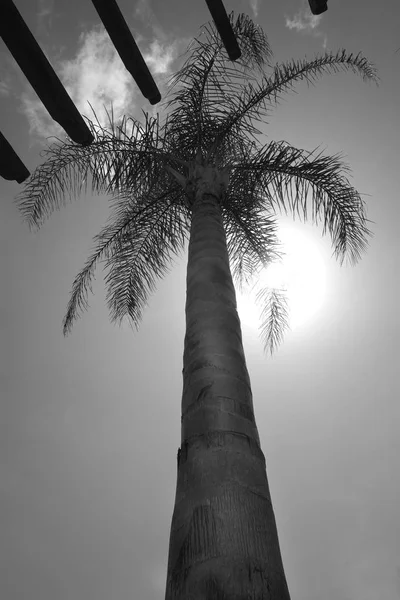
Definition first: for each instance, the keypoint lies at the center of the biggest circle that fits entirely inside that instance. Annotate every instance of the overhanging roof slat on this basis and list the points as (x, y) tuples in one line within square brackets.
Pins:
[(127, 48), (318, 6), (40, 74), (11, 166), (224, 28)]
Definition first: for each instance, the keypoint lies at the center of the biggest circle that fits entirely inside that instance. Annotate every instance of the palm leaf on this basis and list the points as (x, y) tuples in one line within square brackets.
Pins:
[(208, 79), (290, 178), (251, 242), (124, 156), (139, 257), (130, 219), (252, 105), (274, 317)]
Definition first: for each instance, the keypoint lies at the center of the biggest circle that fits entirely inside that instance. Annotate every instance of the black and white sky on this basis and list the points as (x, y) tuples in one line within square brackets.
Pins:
[(90, 424)]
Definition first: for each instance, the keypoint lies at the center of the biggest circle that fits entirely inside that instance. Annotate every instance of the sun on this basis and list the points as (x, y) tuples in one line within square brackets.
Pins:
[(301, 273)]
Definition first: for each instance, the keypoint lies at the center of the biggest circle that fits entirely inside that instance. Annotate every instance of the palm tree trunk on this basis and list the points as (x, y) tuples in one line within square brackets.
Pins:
[(223, 541)]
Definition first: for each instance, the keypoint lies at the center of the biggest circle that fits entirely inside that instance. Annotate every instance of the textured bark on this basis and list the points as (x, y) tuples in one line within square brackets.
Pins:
[(224, 542)]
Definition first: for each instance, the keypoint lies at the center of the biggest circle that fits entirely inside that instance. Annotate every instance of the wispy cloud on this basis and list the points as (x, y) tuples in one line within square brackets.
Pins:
[(44, 16), (255, 5), (4, 88), (305, 22), (5, 77), (159, 57), (144, 12), (148, 18), (97, 75)]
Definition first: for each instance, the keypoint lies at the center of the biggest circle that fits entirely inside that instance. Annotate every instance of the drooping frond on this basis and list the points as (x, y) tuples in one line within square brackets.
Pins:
[(127, 162), (251, 229), (123, 157), (274, 317), (140, 256), (135, 220), (251, 240), (293, 180), (254, 101)]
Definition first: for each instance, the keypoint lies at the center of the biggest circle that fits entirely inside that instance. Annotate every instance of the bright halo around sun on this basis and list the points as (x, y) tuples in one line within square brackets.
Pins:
[(300, 273)]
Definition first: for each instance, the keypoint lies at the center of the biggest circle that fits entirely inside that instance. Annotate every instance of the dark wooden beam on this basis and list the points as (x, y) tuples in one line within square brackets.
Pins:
[(11, 166), (40, 74), (318, 6), (221, 20), (126, 47)]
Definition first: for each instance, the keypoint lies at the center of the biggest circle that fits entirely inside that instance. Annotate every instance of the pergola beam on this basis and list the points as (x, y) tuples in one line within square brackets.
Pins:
[(11, 166), (40, 74), (221, 20), (127, 48), (47, 85), (318, 6)]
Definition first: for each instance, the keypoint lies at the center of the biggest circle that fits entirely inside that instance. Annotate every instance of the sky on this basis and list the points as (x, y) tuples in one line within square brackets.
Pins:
[(90, 424)]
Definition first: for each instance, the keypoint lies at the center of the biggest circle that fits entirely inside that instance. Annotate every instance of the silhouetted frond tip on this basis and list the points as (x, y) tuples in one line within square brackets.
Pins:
[(126, 155), (137, 246), (299, 181), (274, 317), (255, 100)]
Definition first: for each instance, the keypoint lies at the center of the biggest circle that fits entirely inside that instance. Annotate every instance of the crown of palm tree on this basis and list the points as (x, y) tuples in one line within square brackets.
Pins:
[(148, 170)]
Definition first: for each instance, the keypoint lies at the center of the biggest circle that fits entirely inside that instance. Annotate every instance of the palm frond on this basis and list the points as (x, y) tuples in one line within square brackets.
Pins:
[(274, 317), (129, 217), (251, 230), (209, 82), (292, 179), (207, 53), (252, 105), (251, 241), (125, 156), (253, 42), (139, 257)]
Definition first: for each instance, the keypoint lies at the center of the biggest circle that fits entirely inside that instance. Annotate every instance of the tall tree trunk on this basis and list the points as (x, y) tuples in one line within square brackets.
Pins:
[(223, 542)]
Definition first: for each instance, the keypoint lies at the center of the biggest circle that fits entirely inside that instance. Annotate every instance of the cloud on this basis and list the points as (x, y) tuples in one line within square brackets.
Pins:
[(44, 16), (148, 18), (302, 21), (144, 11), (97, 75), (4, 88), (305, 22), (159, 57), (255, 5)]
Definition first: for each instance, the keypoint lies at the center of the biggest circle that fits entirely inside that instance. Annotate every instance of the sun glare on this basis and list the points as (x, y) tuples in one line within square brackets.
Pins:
[(300, 273)]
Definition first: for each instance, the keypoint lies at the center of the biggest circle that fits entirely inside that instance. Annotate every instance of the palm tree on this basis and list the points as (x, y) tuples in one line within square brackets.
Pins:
[(200, 175)]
